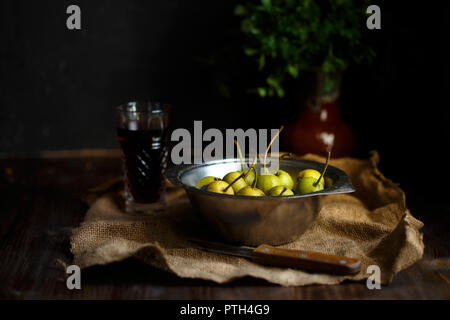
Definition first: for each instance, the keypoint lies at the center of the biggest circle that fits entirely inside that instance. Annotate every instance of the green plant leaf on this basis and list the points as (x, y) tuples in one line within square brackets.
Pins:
[(266, 3), (262, 92), (280, 92), (286, 36), (328, 84), (293, 70), (250, 51), (262, 62), (240, 10), (271, 81)]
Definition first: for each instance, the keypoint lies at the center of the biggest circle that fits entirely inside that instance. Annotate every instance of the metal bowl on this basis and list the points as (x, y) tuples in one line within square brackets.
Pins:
[(256, 220)]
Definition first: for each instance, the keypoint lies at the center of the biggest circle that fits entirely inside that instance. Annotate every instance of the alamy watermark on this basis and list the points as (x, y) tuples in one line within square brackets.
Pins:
[(253, 142), (374, 280), (73, 22), (74, 280), (374, 20)]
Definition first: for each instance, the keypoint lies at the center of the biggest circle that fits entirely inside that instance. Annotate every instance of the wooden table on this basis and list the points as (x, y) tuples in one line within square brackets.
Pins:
[(40, 203)]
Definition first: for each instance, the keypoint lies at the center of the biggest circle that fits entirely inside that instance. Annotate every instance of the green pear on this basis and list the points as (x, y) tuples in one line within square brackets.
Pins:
[(280, 191), (237, 185), (205, 181), (220, 187), (286, 179), (250, 177), (307, 185), (328, 182), (250, 192), (311, 173), (309, 181), (267, 181)]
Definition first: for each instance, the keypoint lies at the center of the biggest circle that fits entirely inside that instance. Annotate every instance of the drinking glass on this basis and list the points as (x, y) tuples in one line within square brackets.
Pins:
[(142, 130)]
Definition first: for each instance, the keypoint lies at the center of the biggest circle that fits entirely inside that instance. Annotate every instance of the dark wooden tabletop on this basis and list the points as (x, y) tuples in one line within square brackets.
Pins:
[(40, 203)]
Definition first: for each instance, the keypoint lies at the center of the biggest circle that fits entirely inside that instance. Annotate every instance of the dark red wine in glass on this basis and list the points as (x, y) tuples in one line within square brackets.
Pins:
[(145, 163), (143, 136)]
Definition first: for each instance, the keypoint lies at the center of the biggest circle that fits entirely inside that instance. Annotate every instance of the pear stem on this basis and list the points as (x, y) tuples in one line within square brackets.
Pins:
[(270, 144), (240, 154), (261, 160), (284, 155), (287, 155), (250, 167), (256, 175), (240, 176), (284, 189), (324, 169)]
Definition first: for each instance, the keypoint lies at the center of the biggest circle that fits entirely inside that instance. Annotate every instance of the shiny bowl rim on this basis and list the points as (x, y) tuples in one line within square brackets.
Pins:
[(343, 185)]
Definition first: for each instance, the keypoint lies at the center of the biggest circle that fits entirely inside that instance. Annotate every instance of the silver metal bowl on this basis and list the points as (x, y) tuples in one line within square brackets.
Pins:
[(256, 220)]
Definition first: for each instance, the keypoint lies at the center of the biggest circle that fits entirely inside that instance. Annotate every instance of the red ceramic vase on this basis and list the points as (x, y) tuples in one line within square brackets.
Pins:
[(320, 127)]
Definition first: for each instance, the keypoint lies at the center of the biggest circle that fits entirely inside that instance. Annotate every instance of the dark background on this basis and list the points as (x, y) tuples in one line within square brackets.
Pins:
[(59, 87)]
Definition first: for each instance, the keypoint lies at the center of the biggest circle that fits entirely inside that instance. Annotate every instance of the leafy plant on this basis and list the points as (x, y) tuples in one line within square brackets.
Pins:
[(287, 36)]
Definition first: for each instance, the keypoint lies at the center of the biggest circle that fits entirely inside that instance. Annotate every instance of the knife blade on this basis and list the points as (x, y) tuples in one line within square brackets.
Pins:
[(280, 257)]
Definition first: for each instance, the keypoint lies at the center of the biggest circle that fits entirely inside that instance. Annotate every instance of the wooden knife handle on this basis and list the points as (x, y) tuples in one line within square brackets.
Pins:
[(306, 260)]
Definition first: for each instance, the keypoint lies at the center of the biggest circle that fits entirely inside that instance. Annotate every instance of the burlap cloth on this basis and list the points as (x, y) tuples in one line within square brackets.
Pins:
[(372, 224)]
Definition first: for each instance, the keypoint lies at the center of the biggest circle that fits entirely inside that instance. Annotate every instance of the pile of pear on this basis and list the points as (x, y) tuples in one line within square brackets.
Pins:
[(249, 183)]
